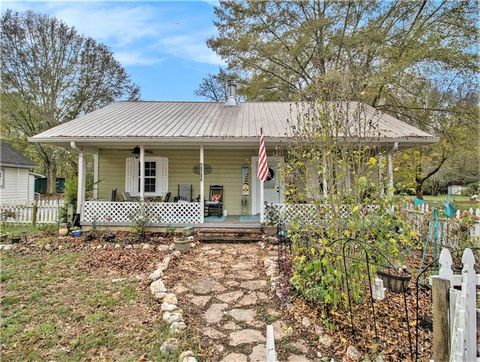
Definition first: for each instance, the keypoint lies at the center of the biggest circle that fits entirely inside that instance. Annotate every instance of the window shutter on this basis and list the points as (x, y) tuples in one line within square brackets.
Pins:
[(131, 176), (162, 175)]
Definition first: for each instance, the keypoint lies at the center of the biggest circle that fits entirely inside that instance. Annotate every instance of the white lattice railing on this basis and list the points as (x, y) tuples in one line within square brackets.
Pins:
[(159, 213), (304, 213), (286, 213)]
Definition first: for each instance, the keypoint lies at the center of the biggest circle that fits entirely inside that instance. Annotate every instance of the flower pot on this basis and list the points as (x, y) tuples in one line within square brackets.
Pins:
[(16, 239), (182, 245), (63, 230), (3, 237), (269, 230), (394, 282)]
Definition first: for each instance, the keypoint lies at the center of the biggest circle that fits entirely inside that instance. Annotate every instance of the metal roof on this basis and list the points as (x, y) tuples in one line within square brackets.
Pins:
[(155, 120), (10, 157)]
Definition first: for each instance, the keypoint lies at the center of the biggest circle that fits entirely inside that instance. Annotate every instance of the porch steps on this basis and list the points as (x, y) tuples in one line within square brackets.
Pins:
[(229, 235)]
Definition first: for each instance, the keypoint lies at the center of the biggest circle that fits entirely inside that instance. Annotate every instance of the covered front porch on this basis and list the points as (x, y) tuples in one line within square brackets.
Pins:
[(152, 179), (153, 176)]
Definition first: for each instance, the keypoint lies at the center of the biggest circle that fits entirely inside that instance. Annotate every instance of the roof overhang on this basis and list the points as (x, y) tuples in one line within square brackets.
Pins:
[(17, 166), (221, 142)]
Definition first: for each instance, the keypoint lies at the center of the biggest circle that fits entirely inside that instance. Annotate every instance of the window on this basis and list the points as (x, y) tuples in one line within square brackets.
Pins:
[(156, 176), (150, 176)]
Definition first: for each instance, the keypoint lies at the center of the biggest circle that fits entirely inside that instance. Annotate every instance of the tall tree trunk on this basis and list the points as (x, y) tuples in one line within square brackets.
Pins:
[(421, 180), (51, 168)]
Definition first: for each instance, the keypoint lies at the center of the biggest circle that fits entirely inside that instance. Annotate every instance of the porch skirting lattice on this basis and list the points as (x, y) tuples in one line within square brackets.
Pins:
[(163, 213)]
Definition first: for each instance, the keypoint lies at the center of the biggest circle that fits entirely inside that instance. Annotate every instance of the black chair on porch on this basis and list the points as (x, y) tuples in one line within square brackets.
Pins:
[(184, 193), (214, 204)]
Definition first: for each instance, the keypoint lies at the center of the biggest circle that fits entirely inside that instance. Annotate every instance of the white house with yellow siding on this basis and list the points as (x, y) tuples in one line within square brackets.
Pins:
[(193, 162)]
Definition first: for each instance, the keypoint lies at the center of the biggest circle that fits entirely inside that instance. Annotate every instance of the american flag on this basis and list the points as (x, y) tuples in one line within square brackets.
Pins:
[(262, 170)]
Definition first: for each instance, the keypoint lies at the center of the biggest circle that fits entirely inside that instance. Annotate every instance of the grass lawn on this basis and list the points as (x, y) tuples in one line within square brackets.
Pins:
[(54, 307), (460, 202)]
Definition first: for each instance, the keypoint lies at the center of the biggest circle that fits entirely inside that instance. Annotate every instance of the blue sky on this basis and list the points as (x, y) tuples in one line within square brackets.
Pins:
[(161, 44)]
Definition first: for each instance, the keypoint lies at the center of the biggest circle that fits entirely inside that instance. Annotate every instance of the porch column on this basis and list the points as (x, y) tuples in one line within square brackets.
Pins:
[(95, 175), (202, 184), (324, 176), (81, 183), (142, 173), (390, 168), (380, 173)]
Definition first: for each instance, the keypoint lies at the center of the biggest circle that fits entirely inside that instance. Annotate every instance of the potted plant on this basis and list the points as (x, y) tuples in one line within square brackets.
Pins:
[(63, 229), (395, 281), (182, 243), (269, 227)]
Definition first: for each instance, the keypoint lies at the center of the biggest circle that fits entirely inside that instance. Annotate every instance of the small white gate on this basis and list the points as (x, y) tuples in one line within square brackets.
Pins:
[(463, 313)]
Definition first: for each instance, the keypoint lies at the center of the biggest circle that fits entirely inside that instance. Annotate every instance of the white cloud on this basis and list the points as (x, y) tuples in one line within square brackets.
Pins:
[(132, 30), (114, 22), (191, 46), (136, 58)]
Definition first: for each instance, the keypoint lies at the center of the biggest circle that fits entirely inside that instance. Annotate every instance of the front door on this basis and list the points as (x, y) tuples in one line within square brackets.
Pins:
[(273, 188)]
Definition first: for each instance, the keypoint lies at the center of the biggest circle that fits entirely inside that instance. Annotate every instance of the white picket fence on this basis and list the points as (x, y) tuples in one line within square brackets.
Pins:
[(463, 313), (47, 212), (449, 230)]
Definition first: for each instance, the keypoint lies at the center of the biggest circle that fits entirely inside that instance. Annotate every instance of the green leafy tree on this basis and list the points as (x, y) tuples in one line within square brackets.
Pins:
[(52, 74), (403, 57)]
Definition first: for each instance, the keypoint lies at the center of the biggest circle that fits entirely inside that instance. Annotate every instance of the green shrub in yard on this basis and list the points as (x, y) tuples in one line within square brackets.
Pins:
[(347, 184)]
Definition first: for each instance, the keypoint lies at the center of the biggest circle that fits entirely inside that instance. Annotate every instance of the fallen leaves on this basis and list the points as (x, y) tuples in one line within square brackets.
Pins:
[(132, 260)]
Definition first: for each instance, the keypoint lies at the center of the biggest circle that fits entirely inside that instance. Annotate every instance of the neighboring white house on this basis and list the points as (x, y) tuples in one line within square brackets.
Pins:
[(17, 183), (456, 189)]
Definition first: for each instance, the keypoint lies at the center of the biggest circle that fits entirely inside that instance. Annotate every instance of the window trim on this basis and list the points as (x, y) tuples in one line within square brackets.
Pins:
[(159, 190)]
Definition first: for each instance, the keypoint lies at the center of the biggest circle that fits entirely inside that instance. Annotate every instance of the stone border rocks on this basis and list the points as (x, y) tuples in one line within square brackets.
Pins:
[(172, 315)]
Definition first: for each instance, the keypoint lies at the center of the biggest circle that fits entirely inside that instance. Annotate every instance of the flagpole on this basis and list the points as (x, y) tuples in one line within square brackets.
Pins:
[(262, 202)]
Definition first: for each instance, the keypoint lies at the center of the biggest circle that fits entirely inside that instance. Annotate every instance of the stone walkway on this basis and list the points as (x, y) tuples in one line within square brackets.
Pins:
[(225, 296)]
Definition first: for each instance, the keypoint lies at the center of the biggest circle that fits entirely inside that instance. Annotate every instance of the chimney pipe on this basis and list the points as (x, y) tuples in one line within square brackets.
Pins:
[(232, 90)]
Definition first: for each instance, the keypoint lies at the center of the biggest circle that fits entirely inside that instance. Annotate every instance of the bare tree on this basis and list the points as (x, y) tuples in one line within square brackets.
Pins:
[(52, 74), (214, 87)]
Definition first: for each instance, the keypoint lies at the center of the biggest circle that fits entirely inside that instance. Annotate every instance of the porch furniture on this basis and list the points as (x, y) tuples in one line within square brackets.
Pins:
[(214, 204), (167, 197), (185, 192), (114, 194), (127, 197)]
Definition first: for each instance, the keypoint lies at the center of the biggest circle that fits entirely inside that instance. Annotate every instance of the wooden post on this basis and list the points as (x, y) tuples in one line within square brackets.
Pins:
[(142, 173), (202, 184), (34, 213), (271, 354), (95, 174), (440, 310), (469, 282), (390, 155)]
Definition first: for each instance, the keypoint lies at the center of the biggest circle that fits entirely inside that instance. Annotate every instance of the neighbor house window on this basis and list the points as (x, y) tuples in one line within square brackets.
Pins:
[(156, 176)]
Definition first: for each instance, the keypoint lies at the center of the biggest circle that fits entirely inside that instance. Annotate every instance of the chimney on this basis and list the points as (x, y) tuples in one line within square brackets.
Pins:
[(232, 88)]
